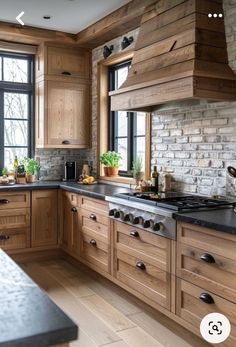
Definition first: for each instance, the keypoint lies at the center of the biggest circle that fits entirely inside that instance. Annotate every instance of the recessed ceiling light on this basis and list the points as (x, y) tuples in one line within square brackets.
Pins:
[(47, 17)]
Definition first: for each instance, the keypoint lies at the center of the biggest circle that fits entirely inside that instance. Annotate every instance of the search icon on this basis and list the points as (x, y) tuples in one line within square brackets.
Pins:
[(215, 328)]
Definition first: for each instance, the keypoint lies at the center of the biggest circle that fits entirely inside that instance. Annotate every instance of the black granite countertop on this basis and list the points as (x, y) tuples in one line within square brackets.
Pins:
[(221, 219), (98, 191), (28, 317)]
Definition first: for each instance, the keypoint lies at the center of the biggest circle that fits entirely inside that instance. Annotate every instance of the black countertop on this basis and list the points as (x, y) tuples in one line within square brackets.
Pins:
[(28, 317), (98, 191), (220, 219)]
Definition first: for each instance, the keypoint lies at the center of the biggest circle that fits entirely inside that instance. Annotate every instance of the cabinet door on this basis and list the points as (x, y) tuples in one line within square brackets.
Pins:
[(70, 232), (68, 115), (44, 218), (68, 62)]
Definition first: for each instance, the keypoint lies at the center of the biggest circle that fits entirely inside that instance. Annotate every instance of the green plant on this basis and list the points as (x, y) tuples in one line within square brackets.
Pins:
[(110, 159), (31, 166), (137, 168), (4, 171)]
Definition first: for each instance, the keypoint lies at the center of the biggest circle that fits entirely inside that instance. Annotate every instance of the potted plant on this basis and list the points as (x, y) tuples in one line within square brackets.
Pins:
[(31, 168), (137, 171), (105, 162), (111, 160)]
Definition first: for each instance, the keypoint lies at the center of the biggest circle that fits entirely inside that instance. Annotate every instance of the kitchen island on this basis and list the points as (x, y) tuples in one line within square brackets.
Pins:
[(28, 317)]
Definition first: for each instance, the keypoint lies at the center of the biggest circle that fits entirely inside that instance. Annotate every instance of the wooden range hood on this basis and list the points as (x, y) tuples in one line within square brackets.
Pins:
[(180, 55)]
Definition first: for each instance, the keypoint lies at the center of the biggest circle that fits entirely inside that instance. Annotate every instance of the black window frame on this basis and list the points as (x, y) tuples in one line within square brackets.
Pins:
[(18, 87), (131, 126)]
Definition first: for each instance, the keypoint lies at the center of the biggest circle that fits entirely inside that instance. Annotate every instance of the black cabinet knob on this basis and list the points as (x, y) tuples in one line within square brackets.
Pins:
[(4, 201), (208, 258), (66, 142), (207, 298), (134, 233), (93, 242), (146, 224), (112, 212), (67, 73), (74, 209), (140, 265), (4, 237), (93, 216)]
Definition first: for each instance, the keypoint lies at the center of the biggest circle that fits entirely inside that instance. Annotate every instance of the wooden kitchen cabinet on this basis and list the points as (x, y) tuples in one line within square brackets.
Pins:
[(44, 225), (70, 223), (142, 261), (63, 98)]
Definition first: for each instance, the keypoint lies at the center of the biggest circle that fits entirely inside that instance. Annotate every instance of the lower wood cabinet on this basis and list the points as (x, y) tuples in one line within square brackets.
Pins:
[(44, 224), (70, 223), (142, 262)]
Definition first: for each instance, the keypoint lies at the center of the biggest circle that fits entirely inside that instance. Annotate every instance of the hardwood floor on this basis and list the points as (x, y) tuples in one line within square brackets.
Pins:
[(106, 314)]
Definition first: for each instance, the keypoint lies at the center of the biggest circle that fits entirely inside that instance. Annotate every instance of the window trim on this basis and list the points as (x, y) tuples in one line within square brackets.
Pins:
[(24, 88), (103, 117)]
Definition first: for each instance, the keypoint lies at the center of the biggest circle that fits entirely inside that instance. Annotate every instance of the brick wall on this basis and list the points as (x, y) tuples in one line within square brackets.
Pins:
[(199, 142)]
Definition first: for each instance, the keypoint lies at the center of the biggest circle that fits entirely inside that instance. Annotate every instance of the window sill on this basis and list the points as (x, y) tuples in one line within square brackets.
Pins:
[(118, 179)]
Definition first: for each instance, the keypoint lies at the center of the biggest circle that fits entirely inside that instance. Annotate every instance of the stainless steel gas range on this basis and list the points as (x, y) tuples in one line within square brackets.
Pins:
[(155, 212)]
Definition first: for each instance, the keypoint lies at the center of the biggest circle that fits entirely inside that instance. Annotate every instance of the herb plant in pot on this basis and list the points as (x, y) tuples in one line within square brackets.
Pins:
[(111, 160), (31, 168), (104, 161), (138, 171)]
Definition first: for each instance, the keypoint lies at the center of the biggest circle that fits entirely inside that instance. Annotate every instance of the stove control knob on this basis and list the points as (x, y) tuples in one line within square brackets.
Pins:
[(147, 224), (158, 226), (136, 220), (125, 217), (112, 212), (117, 214)]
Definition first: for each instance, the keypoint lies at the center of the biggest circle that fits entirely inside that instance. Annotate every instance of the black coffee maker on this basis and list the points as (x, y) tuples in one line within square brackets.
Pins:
[(70, 171)]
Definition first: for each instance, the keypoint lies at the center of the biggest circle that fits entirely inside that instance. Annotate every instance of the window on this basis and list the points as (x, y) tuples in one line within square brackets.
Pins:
[(16, 107), (126, 129)]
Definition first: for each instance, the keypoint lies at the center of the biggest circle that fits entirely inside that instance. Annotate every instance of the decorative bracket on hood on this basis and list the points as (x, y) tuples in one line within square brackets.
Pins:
[(180, 55)]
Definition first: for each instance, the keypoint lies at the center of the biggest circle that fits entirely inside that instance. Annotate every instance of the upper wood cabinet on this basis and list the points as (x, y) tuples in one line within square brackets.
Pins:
[(62, 97)]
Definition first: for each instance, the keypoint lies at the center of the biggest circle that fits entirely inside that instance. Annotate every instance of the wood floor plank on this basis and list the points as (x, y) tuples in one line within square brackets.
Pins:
[(137, 337), (116, 344), (93, 327), (165, 331), (114, 295), (107, 313)]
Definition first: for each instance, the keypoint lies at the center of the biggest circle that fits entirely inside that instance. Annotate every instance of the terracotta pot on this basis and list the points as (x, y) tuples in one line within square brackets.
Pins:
[(31, 178), (113, 171), (105, 171)]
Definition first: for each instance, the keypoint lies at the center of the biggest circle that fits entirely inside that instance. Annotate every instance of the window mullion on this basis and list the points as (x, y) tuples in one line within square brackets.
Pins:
[(1, 130)]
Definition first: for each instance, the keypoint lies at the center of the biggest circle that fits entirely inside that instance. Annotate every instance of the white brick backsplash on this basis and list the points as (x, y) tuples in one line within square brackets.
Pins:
[(192, 131), (204, 163)]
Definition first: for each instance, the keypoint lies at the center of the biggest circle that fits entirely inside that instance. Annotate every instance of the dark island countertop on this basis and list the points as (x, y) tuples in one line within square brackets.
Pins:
[(28, 317), (221, 219), (98, 191)]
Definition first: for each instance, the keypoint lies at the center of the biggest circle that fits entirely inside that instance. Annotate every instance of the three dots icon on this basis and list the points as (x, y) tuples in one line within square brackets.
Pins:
[(215, 15)]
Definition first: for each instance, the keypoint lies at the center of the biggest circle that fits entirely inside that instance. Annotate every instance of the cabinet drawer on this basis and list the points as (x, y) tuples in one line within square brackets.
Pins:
[(94, 205), (14, 218), (192, 309), (10, 200), (71, 198), (208, 270), (68, 62), (208, 240), (94, 222), (152, 248), (146, 279), (15, 239), (95, 249)]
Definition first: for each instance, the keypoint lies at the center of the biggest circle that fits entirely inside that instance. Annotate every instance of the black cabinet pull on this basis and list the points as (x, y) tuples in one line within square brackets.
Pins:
[(93, 216), (207, 298), (74, 209), (208, 258), (134, 233), (66, 142), (67, 73), (140, 265), (93, 242), (4, 201), (4, 237)]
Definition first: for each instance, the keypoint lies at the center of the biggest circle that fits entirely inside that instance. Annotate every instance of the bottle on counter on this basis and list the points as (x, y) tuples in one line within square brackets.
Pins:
[(167, 181), (155, 180), (15, 165)]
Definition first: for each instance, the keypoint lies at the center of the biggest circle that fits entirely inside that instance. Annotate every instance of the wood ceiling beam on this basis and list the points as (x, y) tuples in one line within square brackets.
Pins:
[(31, 35), (119, 22)]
